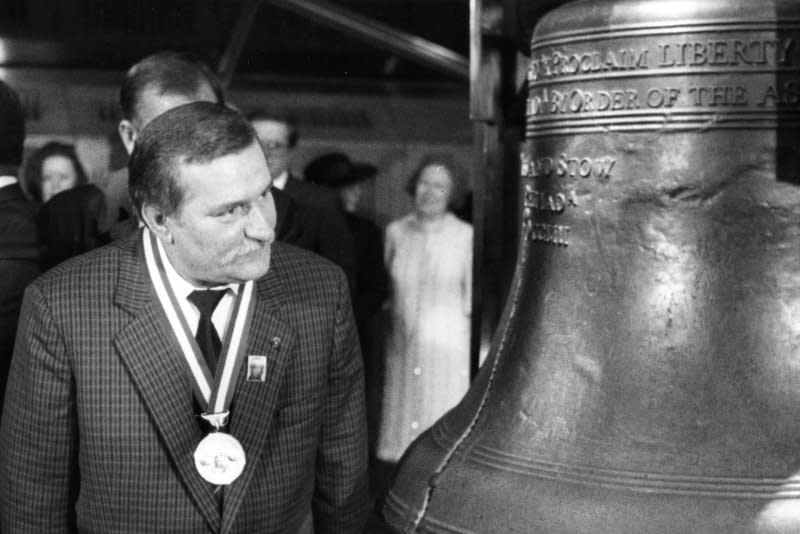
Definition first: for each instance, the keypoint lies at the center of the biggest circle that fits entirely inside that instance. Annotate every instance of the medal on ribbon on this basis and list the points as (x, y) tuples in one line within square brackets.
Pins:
[(219, 457)]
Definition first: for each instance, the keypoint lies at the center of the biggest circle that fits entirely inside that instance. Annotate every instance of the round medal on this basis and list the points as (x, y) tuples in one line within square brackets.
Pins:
[(219, 458)]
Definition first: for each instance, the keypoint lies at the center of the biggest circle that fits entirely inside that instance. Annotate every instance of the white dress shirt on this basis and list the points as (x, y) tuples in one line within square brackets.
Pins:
[(182, 289), (280, 181)]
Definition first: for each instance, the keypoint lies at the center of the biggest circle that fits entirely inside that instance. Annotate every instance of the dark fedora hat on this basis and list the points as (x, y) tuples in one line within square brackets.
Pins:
[(337, 170)]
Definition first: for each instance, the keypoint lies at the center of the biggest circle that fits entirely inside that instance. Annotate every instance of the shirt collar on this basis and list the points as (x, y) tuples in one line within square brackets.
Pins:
[(279, 182), (179, 284)]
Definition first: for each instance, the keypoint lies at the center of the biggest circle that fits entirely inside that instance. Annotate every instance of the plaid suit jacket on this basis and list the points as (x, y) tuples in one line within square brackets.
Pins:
[(98, 429)]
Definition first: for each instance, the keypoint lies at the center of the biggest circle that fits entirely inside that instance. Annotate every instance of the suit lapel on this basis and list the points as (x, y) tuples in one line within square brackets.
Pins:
[(150, 352), (254, 402), (290, 187)]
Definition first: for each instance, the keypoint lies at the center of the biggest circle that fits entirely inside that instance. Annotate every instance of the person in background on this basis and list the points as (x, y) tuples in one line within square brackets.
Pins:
[(113, 422), (429, 257), (19, 242), (349, 179), (72, 211), (53, 168), (153, 85), (323, 225)]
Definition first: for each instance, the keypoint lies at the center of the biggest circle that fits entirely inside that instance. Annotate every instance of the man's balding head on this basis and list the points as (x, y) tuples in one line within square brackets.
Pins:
[(159, 83)]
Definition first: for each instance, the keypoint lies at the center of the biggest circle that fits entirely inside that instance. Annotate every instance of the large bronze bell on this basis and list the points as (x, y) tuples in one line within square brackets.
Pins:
[(646, 374)]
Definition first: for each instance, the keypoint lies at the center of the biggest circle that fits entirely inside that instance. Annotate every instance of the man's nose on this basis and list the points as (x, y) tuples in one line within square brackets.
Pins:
[(261, 221)]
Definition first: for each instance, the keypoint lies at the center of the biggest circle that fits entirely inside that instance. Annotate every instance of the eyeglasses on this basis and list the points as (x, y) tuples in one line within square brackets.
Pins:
[(274, 145)]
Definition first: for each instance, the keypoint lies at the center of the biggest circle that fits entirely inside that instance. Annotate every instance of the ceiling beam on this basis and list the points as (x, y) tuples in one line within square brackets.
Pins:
[(239, 34), (381, 35)]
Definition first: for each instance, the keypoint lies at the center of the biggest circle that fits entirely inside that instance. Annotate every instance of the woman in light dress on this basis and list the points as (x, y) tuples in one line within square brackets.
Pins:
[(428, 254)]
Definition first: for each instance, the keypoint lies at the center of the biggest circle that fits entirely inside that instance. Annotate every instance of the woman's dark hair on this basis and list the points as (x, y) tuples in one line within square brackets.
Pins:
[(453, 167), (33, 167)]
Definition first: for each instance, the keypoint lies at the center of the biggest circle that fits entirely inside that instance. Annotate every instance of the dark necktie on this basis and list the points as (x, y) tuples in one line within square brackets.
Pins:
[(206, 335)]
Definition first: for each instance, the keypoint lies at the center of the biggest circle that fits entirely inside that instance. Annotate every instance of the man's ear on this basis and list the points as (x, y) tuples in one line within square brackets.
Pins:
[(156, 221), (128, 134)]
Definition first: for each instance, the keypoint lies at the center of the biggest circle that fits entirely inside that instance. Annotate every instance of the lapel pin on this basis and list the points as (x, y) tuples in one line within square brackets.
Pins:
[(276, 342), (256, 368)]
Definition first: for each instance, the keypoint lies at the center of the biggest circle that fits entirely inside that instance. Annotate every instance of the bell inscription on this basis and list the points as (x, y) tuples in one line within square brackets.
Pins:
[(645, 374)]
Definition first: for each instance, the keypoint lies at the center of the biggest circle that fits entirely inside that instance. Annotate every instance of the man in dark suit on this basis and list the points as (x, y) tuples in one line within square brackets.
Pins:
[(118, 418), (19, 243), (155, 84), (322, 223), (348, 178)]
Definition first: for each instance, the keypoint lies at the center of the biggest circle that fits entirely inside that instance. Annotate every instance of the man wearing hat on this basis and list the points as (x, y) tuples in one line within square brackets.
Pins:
[(336, 171), (19, 244)]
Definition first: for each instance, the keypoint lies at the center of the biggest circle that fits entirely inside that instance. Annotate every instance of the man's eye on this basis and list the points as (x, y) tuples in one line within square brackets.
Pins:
[(239, 209)]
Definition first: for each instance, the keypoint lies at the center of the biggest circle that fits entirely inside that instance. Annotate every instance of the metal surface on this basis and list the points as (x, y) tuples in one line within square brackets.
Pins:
[(238, 38), (381, 35), (478, 105), (645, 375), (494, 103)]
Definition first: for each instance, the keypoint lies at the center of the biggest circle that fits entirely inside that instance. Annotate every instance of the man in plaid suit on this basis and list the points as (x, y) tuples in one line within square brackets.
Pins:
[(102, 423), (153, 85)]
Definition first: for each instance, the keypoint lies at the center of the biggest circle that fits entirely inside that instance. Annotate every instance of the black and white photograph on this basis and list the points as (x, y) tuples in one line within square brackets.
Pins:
[(400, 266)]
